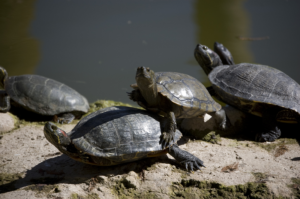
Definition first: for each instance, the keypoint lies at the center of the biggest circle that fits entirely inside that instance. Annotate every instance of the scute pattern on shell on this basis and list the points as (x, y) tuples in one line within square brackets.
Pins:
[(119, 134), (186, 92), (44, 96), (256, 84)]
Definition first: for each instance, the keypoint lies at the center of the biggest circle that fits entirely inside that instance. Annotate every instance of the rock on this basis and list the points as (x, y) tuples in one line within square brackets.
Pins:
[(131, 180), (7, 122), (102, 179), (197, 128)]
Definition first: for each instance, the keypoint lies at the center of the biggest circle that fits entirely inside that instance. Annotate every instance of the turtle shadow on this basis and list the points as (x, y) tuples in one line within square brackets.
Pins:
[(63, 169), (29, 116)]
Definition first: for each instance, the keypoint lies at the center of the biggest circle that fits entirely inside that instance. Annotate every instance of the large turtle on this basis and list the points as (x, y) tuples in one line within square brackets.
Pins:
[(257, 89), (41, 95), (176, 95), (117, 135)]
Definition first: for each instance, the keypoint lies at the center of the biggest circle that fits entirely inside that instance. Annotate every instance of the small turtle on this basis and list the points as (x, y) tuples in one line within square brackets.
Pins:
[(257, 89), (117, 135), (175, 95), (41, 95)]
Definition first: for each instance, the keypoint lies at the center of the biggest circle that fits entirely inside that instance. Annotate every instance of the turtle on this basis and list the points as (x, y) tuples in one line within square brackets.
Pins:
[(224, 54), (174, 95), (253, 88), (117, 135), (41, 95)]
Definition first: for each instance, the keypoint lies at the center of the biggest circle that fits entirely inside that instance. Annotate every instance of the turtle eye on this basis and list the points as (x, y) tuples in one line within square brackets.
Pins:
[(204, 47)]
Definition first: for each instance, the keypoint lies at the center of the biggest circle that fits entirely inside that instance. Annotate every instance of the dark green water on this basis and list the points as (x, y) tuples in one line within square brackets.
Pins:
[(95, 46)]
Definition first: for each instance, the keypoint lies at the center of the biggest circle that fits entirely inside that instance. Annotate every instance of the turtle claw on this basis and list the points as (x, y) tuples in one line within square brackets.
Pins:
[(192, 165), (135, 95), (167, 138)]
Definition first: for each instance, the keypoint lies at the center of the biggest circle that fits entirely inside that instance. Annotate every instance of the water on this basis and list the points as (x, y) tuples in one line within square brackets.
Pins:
[(95, 46)]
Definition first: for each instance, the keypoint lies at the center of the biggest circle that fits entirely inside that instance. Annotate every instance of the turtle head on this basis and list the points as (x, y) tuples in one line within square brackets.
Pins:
[(3, 76), (145, 77), (223, 53), (56, 136), (207, 58)]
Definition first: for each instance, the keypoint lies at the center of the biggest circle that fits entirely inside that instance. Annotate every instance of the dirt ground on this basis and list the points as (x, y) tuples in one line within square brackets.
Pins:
[(31, 167)]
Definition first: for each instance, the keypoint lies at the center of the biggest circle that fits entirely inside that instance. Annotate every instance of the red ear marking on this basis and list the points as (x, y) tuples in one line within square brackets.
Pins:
[(64, 133)]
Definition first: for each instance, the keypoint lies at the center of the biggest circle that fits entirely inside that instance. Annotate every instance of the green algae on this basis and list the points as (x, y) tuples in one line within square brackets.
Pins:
[(100, 104), (295, 187), (8, 180), (260, 177), (184, 174), (273, 145), (124, 192), (43, 189), (89, 196), (205, 190), (212, 137)]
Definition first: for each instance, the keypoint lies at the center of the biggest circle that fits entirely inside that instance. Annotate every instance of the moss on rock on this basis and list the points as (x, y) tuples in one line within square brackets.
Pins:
[(295, 187), (123, 191), (89, 196), (8, 180), (212, 137), (43, 189), (203, 189), (100, 104), (273, 145)]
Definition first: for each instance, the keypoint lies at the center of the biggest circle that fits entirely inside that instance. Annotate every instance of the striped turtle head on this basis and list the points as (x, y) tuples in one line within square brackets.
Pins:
[(224, 54), (207, 58), (56, 136)]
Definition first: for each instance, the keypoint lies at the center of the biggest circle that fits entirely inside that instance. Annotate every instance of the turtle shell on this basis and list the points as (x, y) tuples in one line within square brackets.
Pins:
[(116, 135), (188, 97), (252, 87), (43, 95)]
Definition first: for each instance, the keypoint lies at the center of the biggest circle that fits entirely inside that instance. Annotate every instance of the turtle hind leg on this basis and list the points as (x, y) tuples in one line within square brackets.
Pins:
[(271, 131), (5, 103), (188, 160), (169, 128), (64, 118)]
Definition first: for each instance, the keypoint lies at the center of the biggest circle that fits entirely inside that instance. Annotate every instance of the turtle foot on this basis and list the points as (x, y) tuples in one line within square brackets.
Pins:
[(65, 118), (188, 160), (270, 136), (134, 95), (193, 165)]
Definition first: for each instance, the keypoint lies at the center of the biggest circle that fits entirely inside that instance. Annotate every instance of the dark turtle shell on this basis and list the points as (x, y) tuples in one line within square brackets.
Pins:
[(188, 96), (118, 134), (44, 96), (252, 87)]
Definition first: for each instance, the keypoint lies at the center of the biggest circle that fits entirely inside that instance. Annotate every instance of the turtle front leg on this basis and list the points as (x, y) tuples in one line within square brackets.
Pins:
[(169, 129), (137, 97), (271, 131), (5, 102), (64, 118), (222, 119), (189, 161)]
